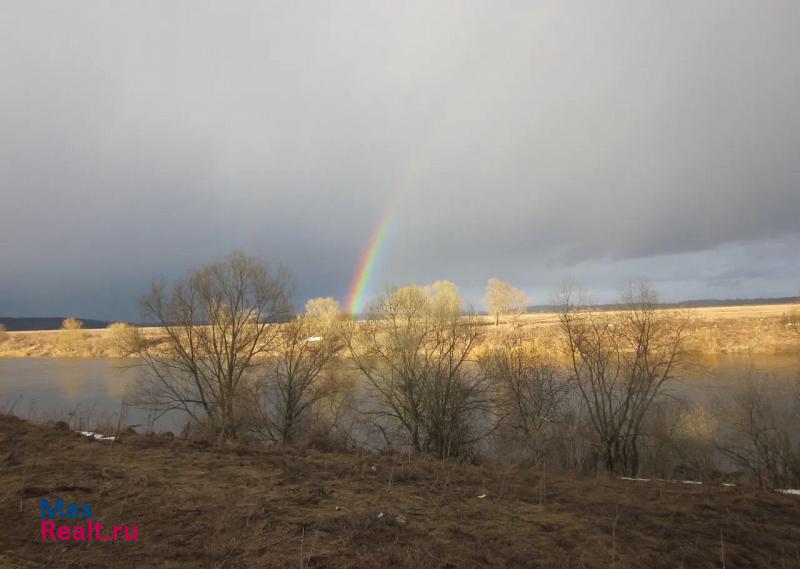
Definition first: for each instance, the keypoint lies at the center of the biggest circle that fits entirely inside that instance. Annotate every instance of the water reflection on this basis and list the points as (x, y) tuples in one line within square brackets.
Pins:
[(48, 388), (53, 388)]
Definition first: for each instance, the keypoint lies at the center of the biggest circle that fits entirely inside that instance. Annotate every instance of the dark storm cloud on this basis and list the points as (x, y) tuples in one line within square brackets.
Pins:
[(530, 140)]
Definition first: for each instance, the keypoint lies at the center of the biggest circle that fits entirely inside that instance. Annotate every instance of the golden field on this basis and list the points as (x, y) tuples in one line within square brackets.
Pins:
[(754, 329)]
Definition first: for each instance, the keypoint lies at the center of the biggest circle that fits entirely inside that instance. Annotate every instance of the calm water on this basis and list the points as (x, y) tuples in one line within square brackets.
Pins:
[(90, 390), (94, 389)]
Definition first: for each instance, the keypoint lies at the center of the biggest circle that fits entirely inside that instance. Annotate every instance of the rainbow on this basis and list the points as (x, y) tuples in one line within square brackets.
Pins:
[(421, 155), (366, 266)]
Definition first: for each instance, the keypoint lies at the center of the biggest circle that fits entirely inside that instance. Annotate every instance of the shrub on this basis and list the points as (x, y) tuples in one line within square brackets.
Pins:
[(73, 338), (71, 324), (123, 339)]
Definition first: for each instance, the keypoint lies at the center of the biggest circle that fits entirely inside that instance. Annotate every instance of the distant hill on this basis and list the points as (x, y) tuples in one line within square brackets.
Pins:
[(701, 303), (45, 323)]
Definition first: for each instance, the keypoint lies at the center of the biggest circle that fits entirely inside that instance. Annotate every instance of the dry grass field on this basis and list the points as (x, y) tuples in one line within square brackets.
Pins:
[(757, 329), (239, 507), (84, 343)]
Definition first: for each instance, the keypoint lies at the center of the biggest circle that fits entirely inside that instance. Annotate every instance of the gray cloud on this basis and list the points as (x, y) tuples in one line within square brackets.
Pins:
[(532, 140)]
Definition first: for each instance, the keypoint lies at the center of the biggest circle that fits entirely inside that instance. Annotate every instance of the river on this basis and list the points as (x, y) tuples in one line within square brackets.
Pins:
[(92, 390)]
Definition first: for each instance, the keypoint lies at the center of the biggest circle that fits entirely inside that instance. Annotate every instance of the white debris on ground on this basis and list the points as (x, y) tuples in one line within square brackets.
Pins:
[(482, 496), (792, 491), (95, 436), (669, 481), (312, 339)]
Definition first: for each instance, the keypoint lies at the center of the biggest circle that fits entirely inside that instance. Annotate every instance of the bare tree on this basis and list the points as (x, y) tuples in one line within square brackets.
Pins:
[(620, 362), (758, 433), (416, 355), (792, 324), (218, 324), (293, 382), (501, 299), (791, 321), (532, 393)]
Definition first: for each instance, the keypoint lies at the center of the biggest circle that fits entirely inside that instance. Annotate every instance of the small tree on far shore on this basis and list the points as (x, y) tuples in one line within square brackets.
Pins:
[(3, 334), (74, 339), (71, 323), (502, 299), (325, 311)]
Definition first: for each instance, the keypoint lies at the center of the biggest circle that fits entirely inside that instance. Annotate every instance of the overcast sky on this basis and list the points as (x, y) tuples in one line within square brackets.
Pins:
[(534, 141)]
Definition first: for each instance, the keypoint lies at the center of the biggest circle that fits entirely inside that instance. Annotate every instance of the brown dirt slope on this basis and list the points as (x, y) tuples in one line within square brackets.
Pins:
[(239, 507)]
